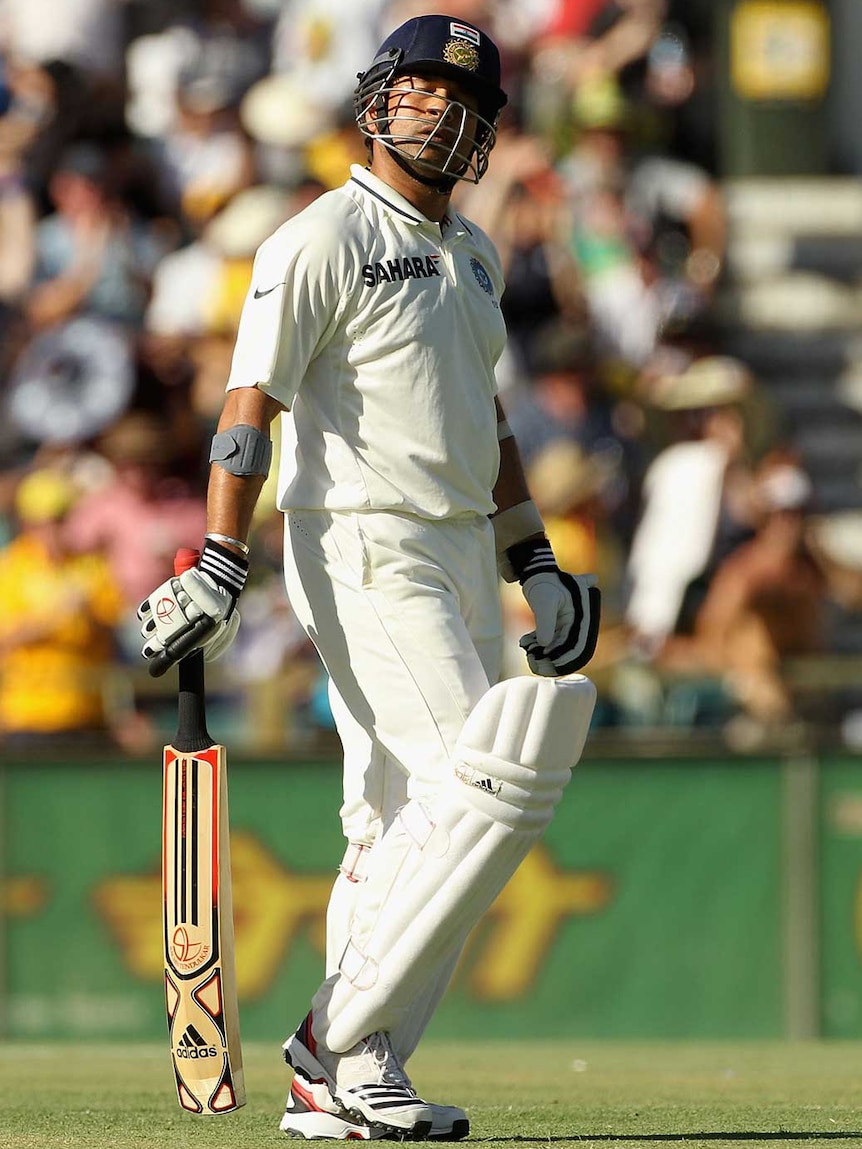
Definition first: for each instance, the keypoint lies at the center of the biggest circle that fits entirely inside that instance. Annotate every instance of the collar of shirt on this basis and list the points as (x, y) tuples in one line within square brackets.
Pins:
[(452, 226)]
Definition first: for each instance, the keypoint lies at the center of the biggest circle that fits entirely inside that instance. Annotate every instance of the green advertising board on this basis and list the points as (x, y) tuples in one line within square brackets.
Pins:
[(840, 898), (652, 908)]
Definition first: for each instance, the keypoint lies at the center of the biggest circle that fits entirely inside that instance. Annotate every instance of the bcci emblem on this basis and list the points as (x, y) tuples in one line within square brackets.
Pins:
[(461, 53), (482, 276)]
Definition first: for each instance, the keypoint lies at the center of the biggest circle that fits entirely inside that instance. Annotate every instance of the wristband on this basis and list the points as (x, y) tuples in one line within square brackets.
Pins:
[(531, 557), (238, 543), (512, 526), (227, 570), (516, 523)]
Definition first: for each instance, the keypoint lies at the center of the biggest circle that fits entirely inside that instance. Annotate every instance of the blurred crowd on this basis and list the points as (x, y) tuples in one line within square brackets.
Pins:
[(147, 147)]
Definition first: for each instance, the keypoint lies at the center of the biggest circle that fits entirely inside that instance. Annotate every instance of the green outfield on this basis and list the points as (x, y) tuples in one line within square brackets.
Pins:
[(618, 1094)]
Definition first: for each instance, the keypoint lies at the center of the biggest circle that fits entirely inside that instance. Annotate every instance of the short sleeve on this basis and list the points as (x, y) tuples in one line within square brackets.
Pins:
[(291, 307)]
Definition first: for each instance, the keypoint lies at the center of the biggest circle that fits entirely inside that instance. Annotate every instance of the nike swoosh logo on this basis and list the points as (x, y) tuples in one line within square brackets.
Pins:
[(258, 294)]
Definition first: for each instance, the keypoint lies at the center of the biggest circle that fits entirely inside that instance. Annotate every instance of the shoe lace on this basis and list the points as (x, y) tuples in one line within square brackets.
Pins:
[(389, 1071)]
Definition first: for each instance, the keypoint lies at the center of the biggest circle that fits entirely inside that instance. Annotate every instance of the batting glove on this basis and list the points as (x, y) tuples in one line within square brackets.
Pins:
[(567, 609), (195, 610)]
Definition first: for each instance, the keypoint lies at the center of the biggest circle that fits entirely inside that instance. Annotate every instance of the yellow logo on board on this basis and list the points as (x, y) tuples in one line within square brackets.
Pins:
[(274, 907)]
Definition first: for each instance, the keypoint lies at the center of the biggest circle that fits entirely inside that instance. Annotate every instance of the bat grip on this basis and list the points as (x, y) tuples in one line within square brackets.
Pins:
[(192, 733)]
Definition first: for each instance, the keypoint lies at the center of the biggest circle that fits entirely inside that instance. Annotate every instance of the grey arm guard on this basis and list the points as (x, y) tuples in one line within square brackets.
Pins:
[(242, 450)]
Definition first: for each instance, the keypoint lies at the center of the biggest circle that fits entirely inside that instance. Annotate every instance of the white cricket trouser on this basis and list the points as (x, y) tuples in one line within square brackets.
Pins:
[(405, 614)]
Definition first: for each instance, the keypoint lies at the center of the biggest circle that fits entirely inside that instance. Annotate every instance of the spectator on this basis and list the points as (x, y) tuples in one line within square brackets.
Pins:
[(200, 287), (205, 156), (764, 604), (597, 37), (573, 43), (697, 500), (323, 44), (649, 231), (58, 608), (564, 397), (219, 39), (522, 202), (86, 34), (18, 208), (92, 255), (142, 513)]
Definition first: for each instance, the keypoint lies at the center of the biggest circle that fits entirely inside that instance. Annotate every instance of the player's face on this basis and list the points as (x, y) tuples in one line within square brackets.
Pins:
[(434, 121)]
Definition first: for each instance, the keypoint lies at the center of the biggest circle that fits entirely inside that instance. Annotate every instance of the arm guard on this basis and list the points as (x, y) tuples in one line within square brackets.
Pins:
[(242, 450)]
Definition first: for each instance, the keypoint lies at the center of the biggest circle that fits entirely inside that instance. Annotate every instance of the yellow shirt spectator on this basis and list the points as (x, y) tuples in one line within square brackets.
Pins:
[(57, 612)]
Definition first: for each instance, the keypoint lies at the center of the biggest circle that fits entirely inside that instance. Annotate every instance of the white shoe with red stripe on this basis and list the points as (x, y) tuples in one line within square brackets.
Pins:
[(367, 1081), (312, 1114), (303, 1117)]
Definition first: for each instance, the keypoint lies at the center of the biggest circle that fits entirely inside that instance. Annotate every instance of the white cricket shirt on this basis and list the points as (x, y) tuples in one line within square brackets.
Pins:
[(380, 331)]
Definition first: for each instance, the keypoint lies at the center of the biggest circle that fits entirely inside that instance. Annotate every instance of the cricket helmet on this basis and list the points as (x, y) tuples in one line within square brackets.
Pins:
[(437, 149)]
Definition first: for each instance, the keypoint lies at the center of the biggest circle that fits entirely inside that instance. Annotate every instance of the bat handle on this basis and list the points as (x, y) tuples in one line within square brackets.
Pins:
[(182, 649), (159, 664), (192, 733)]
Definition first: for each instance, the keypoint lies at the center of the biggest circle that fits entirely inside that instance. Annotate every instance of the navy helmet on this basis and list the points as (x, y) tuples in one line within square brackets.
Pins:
[(436, 46)]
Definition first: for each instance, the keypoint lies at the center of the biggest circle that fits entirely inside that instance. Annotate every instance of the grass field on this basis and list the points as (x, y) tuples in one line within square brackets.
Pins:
[(616, 1094)]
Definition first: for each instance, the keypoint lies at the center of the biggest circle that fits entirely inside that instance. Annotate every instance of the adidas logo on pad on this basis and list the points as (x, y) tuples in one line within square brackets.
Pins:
[(479, 781)]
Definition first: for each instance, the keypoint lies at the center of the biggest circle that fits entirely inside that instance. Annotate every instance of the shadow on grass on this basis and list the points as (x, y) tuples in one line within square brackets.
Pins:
[(831, 1135)]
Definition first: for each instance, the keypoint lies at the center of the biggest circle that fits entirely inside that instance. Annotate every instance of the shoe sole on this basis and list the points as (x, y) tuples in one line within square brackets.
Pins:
[(306, 1121), (459, 1130), (327, 1127), (382, 1130)]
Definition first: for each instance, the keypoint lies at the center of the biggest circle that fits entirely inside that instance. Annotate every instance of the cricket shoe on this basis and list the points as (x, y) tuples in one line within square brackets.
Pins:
[(304, 1118), (311, 1113), (367, 1081)]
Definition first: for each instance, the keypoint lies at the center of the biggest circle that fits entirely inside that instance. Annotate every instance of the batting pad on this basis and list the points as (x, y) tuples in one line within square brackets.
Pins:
[(442, 863)]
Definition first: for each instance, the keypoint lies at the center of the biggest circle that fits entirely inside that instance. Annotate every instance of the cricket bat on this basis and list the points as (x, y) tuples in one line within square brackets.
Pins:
[(200, 979)]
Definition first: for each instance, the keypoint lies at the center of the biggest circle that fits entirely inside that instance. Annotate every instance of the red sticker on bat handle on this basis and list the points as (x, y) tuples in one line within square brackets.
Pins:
[(185, 559)]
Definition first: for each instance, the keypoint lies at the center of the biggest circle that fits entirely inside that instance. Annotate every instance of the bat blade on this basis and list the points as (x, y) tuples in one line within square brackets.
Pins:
[(200, 979)]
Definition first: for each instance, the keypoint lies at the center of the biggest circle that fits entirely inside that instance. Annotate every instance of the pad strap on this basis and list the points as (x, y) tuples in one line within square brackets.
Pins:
[(354, 864)]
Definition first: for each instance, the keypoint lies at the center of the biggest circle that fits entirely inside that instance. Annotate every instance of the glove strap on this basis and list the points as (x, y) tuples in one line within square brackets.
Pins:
[(227, 569), (531, 557)]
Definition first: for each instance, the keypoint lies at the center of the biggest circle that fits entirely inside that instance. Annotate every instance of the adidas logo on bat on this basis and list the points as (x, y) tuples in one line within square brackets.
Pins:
[(192, 1046)]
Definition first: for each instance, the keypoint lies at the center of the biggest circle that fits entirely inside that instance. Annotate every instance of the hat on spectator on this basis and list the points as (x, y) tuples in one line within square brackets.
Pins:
[(562, 475), (561, 346), (85, 159), (278, 112), (713, 381), (247, 220), (44, 496)]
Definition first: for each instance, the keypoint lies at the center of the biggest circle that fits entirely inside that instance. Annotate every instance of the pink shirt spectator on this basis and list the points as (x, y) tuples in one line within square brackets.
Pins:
[(142, 515)]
